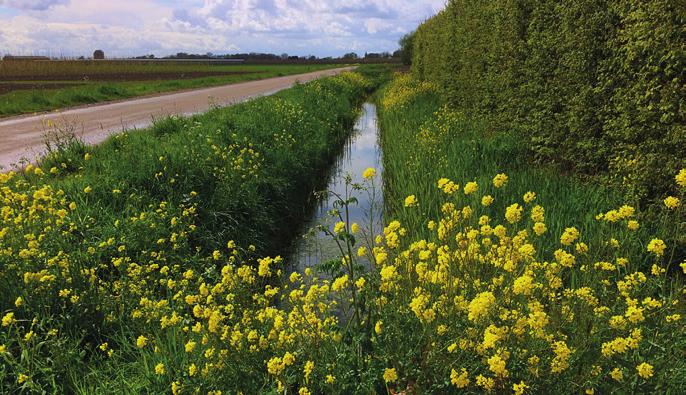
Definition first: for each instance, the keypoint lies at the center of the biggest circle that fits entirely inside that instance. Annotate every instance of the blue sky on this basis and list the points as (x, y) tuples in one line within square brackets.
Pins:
[(161, 27)]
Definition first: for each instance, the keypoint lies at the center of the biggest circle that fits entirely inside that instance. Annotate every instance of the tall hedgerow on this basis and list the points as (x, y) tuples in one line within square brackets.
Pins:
[(595, 86)]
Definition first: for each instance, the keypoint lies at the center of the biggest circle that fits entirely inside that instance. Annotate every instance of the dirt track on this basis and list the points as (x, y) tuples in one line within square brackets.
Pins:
[(22, 137)]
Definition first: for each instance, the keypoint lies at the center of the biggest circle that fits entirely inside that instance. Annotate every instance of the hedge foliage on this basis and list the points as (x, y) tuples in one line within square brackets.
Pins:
[(596, 86)]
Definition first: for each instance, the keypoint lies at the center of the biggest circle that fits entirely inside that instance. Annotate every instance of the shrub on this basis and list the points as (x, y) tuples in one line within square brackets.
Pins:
[(595, 86)]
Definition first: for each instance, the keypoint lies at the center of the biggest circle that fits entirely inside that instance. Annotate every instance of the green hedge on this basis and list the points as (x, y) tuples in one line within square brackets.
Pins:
[(595, 86)]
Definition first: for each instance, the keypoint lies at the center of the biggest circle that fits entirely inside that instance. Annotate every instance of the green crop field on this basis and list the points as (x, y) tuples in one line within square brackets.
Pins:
[(35, 86)]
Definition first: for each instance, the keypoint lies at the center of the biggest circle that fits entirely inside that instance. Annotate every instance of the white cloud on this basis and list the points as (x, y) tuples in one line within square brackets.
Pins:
[(135, 27), (35, 5)]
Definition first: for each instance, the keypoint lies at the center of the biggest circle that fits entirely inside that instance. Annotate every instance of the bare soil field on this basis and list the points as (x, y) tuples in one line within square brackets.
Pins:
[(126, 76)]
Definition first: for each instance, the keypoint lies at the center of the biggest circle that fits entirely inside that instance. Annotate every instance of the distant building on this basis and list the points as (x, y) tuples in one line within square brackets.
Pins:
[(98, 54), (12, 57)]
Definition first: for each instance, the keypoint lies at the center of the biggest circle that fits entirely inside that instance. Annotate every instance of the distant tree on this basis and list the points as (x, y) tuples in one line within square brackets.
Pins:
[(406, 48), (98, 54), (351, 55)]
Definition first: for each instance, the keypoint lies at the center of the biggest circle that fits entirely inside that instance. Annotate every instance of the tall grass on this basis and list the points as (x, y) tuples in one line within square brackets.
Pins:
[(426, 141), (81, 233), (528, 271)]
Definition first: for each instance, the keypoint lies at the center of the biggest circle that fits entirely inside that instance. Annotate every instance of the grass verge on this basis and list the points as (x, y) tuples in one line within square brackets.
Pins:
[(522, 278), (82, 233)]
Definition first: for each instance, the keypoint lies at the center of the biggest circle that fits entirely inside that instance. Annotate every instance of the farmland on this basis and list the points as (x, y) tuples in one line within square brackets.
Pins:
[(505, 215), (35, 86)]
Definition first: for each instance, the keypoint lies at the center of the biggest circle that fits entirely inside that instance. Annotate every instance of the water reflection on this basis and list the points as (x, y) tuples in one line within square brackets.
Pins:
[(361, 152)]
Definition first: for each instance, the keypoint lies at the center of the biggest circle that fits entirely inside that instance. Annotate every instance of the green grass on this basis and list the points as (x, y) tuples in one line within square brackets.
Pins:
[(468, 151), (168, 196), (30, 101), (140, 262), (423, 140)]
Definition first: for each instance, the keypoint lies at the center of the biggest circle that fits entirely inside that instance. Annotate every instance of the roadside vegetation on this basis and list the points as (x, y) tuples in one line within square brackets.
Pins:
[(595, 87), (160, 273), (104, 247), (514, 278), (36, 86), (533, 183)]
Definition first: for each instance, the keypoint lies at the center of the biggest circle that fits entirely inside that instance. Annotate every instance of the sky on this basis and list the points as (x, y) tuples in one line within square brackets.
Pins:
[(161, 27)]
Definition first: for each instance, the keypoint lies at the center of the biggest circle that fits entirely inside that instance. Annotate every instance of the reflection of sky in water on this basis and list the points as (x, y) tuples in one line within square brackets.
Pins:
[(362, 151)]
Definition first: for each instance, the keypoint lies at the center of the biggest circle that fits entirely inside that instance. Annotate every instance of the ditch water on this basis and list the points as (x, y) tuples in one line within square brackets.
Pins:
[(360, 152)]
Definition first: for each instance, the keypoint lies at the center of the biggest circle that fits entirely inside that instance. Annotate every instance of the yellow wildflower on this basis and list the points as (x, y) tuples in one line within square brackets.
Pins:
[(657, 247), (519, 388), (497, 365), (459, 380), (569, 236), (8, 319), (369, 173), (339, 227), (617, 374), (513, 213), (480, 305), (681, 178), (307, 370), (671, 202), (645, 370), (500, 180), (411, 201), (632, 225), (540, 228), (390, 375), (529, 197), (340, 283), (471, 187), (142, 341)]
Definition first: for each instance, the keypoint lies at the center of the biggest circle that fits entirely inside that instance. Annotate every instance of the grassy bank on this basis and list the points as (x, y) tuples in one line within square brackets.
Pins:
[(45, 99), (100, 246), (541, 281)]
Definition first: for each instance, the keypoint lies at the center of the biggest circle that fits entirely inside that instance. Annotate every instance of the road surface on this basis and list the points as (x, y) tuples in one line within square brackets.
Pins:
[(22, 137)]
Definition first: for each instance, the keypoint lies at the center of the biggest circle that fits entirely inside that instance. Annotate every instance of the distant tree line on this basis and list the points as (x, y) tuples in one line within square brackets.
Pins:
[(258, 56)]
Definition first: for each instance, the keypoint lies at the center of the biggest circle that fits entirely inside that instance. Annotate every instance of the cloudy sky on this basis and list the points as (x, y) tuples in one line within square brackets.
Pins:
[(163, 27)]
